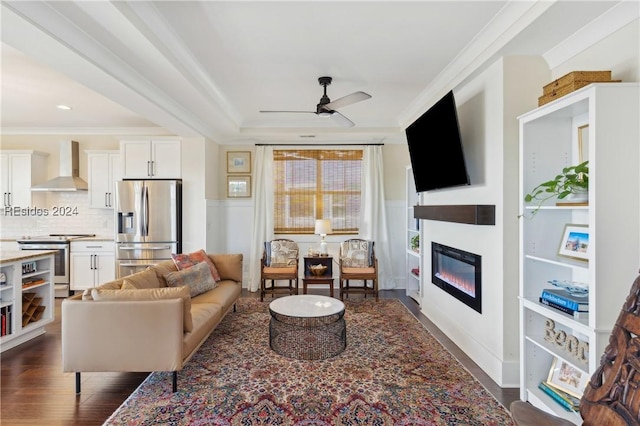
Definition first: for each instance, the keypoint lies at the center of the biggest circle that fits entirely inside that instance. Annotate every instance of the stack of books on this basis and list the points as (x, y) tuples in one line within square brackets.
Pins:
[(562, 300), (568, 402)]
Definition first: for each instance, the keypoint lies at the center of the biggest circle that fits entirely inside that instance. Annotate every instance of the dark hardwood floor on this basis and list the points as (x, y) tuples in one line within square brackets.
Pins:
[(35, 391)]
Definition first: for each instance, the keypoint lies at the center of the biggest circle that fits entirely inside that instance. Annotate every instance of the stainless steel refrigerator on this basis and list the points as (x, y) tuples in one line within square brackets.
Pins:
[(148, 222)]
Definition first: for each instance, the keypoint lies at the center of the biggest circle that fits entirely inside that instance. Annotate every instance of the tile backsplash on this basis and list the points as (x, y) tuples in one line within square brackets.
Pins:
[(66, 213)]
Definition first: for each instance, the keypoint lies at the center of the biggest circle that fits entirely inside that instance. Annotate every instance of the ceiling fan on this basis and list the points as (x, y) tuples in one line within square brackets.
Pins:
[(326, 108)]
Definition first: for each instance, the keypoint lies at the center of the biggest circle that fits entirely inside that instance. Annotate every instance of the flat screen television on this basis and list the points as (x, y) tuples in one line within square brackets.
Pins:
[(435, 147)]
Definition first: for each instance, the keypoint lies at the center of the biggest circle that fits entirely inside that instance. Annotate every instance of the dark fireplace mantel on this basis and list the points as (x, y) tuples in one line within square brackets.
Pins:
[(474, 214)]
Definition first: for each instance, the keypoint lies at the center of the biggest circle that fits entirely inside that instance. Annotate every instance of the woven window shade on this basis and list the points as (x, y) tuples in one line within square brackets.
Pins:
[(317, 184)]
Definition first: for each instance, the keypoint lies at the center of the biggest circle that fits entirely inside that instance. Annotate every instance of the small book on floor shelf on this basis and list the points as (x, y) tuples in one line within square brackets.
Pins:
[(564, 298), (575, 314), (567, 401)]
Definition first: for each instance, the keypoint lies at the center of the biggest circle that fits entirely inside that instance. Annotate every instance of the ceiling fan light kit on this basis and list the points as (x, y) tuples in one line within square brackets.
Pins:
[(326, 108)]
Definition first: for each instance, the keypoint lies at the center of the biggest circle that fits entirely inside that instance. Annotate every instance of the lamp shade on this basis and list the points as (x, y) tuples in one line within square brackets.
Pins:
[(323, 227)]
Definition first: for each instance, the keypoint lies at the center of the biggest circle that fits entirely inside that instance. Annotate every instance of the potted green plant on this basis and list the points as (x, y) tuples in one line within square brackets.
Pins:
[(415, 243), (571, 185)]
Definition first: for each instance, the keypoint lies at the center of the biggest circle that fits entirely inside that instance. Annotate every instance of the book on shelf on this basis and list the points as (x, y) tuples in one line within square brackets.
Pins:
[(564, 298), (7, 314), (575, 314), (567, 401)]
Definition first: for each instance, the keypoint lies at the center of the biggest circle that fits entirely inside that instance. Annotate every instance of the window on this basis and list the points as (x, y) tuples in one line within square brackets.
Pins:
[(317, 184)]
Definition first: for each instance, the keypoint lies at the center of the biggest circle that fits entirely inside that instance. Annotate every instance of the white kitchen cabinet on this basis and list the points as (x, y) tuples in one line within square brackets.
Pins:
[(413, 257), (92, 263), (104, 170), (151, 159), (19, 171), (549, 142), (27, 299)]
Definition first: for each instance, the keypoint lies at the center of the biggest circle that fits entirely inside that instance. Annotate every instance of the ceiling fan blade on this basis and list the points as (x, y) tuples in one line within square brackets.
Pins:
[(304, 112), (347, 100), (341, 119)]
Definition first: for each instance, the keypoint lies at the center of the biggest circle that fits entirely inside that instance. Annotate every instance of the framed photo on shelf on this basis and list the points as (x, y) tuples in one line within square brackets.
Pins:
[(565, 377), (583, 143), (238, 161), (575, 242), (238, 186)]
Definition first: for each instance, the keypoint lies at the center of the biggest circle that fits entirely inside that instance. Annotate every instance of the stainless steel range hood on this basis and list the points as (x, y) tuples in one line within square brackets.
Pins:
[(69, 177)]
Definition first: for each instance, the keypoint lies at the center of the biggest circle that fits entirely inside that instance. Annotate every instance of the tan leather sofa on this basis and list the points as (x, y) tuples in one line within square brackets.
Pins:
[(145, 335)]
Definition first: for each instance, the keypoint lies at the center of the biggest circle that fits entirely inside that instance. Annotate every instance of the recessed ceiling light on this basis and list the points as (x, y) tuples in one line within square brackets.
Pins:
[(63, 107)]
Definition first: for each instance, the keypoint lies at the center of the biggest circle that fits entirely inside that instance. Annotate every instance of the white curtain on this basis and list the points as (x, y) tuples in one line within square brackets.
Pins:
[(373, 218), (263, 211)]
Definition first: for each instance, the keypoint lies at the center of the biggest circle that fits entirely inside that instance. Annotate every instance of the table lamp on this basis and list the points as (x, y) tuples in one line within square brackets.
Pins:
[(323, 227)]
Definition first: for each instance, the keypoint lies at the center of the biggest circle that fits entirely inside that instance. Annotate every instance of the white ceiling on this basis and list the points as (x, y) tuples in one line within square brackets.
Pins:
[(208, 67)]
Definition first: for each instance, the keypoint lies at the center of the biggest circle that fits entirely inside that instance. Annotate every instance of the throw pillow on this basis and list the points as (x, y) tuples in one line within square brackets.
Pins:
[(127, 285), (198, 278), (184, 261), (99, 294), (144, 279)]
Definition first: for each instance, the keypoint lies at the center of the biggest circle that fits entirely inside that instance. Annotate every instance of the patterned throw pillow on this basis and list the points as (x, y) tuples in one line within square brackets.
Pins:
[(282, 254), (357, 253), (187, 260), (198, 278)]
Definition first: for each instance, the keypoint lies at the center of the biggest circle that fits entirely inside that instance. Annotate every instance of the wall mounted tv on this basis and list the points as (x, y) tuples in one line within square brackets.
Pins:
[(435, 147)]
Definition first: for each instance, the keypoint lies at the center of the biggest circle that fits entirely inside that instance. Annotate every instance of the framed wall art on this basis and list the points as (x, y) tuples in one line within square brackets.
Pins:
[(238, 161), (575, 242), (565, 377), (238, 186)]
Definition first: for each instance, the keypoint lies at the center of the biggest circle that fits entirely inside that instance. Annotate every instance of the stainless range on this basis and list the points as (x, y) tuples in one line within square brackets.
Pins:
[(62, 244)]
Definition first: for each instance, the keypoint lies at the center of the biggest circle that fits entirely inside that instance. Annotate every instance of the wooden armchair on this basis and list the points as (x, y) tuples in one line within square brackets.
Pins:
[(279, 262), (612, 396), (358, 262)]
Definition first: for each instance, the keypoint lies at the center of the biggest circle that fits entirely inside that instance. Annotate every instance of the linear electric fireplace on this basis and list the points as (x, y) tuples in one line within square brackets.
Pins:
[(459, 273)]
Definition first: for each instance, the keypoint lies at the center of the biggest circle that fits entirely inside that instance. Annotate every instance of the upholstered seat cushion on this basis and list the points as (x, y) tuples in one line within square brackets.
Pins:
[(279, 270), (347, 270)]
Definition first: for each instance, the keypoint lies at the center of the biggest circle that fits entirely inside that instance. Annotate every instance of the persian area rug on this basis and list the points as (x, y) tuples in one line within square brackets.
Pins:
[(393, 372)]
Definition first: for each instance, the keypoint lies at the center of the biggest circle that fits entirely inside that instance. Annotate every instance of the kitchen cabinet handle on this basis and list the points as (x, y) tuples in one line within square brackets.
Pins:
[(106, 199), (153, 168), (110, 200), (149, 168), (95, 261), (4, 199), (9, 198)]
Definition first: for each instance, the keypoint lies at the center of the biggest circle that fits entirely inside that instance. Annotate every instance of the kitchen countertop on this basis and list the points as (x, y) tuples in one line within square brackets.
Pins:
[(7, 256)]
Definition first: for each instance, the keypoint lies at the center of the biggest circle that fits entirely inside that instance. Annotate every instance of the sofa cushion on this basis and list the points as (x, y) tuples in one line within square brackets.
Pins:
[(198, 278), (127, 285), (162, 269), (143, 279), (227, 292), (99, 294), (185, 261)]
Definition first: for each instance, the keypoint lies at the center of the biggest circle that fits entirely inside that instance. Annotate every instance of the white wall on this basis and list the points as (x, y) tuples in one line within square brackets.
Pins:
[(488, 109), (230, 221), (489, 132)]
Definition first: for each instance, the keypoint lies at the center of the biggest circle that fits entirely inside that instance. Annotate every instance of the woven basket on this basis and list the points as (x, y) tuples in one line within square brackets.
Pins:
[(582, 78)]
